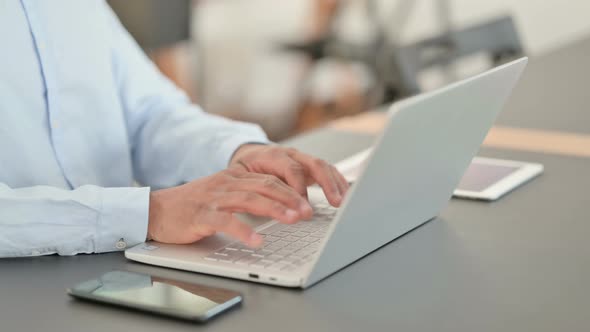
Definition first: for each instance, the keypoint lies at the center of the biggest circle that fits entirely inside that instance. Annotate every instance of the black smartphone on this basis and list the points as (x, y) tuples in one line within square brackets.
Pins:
[(157, 295)]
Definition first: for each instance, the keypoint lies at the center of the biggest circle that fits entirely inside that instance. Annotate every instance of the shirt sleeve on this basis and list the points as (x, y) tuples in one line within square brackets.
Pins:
[(45, 220), (172, 140)]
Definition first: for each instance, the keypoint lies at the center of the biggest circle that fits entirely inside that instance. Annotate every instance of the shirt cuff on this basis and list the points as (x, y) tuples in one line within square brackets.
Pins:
[(123, 219), (231, 145)]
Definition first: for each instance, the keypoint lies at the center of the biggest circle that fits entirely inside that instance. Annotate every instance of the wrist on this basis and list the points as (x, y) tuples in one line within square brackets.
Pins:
[(152, 215), (244, 149)]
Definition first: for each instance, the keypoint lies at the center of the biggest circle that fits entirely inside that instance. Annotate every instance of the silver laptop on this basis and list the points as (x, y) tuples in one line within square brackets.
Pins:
[(407, 180)]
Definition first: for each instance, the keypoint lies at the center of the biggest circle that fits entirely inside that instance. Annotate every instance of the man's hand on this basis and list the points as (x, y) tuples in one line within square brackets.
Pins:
[(267, 181), (296, 169), (188, 213)]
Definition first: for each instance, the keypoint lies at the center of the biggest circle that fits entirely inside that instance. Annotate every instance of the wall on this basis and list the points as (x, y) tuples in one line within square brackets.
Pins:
[(544, 25), (244, 77)]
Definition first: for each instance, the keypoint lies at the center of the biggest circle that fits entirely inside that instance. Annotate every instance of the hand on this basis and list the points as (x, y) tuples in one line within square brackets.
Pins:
[(296, 169), (188, 213)]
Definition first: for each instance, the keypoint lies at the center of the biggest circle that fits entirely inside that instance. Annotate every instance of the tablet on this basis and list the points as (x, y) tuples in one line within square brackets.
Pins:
[(486, 178), (489, 179)]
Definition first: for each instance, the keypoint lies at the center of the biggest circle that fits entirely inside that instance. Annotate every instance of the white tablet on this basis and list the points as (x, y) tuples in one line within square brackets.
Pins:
[(489, 179), (485, 179)]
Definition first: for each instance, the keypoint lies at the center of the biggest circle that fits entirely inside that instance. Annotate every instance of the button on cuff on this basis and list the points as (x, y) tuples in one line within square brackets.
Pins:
[(121, 244)]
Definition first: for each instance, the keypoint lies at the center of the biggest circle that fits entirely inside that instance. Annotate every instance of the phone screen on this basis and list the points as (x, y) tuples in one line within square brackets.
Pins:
[(480, 176), (157, 294)]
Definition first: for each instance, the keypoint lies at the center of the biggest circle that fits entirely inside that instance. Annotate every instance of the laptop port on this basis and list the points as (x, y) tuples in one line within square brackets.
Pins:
[(253, 276)]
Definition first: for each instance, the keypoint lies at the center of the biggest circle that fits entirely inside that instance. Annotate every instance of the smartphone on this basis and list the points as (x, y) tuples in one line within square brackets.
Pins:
[(489, 179), (168, 297)]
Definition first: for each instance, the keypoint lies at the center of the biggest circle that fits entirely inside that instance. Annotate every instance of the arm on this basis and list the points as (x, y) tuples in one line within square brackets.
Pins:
[(44, 220), (173, 141)]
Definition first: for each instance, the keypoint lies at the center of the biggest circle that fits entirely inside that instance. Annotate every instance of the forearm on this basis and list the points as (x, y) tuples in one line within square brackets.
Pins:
[(181, 145), (45, 220), (172, 141)]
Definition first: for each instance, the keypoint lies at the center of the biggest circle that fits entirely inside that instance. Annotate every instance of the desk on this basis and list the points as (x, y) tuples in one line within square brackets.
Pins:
[(519, 264)]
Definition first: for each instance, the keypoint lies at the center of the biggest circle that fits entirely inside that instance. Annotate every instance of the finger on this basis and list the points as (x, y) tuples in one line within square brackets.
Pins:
[(241, 232), (256, 204), (281, 164), (272, 187), (342, 183), (293, 173), (321, 172)]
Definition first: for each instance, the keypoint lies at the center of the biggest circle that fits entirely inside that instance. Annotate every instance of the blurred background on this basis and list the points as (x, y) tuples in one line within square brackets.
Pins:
[(294, 65)]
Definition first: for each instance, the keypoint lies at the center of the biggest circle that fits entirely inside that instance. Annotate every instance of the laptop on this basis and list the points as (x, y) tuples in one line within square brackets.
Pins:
[(408, 178)]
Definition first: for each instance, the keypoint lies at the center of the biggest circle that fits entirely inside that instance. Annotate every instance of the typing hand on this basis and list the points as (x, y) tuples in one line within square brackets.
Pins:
[(296, 169), (267, 181), (188, 213)]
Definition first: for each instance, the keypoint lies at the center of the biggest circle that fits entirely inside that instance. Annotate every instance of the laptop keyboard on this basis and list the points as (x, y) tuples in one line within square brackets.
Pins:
[(286, 247)]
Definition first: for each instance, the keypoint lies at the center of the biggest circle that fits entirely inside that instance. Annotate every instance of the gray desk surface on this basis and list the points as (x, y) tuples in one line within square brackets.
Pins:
[(519, 264)]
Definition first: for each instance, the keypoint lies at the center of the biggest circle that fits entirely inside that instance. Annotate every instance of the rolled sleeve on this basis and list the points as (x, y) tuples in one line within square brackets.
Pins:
[(230, 145)]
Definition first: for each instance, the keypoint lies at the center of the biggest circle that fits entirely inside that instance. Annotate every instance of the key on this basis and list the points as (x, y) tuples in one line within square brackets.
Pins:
[(291, 238), (271, 229), (284, 252), (273, 248), (297, 255), (313, 227), (260, 264), (299, 245), (308, 251), (297, 225), (261, 253), (274, 257), (291, 248), (318, 234), (282, 234), (289, 260), (309, 239), (225, 252), (247, 260), (281, 243), (271, 238), (237, 246), (234, 255)]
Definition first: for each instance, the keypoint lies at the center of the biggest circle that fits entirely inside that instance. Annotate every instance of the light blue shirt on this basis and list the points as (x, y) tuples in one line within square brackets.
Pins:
[(84, 115)]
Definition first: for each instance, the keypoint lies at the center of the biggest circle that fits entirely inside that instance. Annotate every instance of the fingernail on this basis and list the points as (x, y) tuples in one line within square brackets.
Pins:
[(255, 239), (291, 214)]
